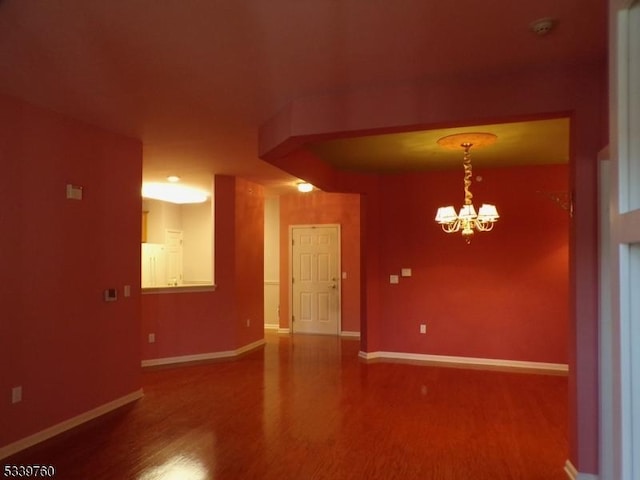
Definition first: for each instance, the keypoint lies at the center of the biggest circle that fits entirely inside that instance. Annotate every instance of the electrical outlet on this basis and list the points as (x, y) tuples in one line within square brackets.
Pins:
[(127, 290), (152, 338), (110, 295), (248, 322), (423, 328), (16, 394)]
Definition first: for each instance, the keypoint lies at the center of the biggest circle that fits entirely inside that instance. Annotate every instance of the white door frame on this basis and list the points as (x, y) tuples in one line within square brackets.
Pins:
[(620, 253), (339, 266)]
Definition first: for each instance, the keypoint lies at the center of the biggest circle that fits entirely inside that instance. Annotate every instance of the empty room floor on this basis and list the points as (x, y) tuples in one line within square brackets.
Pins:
[(306, 407)]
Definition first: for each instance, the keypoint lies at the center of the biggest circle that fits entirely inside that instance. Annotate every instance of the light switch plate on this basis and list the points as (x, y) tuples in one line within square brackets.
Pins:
[(16, 394), (74, 192), (406, 272), (394, 279)]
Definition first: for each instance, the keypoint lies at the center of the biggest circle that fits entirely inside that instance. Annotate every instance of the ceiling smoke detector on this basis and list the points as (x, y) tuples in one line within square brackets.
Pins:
[(543, 26)]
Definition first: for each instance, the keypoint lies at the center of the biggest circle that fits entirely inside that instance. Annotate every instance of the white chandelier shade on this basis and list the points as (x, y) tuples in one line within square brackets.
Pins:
[(482, 221)]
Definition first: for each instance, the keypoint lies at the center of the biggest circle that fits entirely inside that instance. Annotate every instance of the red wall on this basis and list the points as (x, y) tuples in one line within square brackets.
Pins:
[(509, 288), (324, 208), (207, 322), (68, 349), (503, 296)]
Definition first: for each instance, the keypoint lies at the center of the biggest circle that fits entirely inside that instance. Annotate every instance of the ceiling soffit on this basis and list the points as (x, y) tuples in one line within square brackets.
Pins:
[(536, 142)]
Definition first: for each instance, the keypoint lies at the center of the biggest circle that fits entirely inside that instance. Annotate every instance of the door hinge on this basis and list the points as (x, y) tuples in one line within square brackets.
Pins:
[(293, 318), (293, 242), (293, 280)]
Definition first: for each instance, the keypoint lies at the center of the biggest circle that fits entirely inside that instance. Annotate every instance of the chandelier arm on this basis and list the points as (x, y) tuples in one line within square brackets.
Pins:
[(451, 227), (484, 226)]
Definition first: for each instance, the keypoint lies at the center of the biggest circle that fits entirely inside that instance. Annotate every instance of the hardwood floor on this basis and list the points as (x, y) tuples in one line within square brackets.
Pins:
[(307, 408)]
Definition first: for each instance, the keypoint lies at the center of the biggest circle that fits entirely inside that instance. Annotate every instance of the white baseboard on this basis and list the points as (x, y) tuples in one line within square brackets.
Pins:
[(342, 334), (573, 474), (154, 362), (571, 471), (468, 361), (73, 422), (271, 326), (346, 333), (249, 347)]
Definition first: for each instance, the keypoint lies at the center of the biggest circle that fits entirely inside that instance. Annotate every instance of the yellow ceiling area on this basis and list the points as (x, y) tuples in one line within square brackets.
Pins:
[(521, 143)]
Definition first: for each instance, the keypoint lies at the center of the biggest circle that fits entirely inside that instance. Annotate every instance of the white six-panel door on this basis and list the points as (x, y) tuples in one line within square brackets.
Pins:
[(315, 279), (173, 254)]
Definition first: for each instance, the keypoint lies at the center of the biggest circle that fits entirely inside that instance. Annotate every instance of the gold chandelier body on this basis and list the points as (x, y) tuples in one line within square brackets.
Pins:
[(467, 220)]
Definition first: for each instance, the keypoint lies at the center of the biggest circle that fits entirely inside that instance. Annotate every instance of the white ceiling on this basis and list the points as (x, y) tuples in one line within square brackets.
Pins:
[(195, 79)]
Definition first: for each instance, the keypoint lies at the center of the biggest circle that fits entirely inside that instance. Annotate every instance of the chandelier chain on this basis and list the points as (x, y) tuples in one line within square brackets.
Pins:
[(468, 196)]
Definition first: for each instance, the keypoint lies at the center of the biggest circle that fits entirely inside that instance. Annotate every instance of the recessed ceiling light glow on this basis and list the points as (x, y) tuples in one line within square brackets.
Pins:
[(304, 187), (169, 192), (173, 178)]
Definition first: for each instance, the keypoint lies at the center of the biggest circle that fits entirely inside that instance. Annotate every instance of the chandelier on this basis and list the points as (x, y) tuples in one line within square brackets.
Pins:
[(467, 220)]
